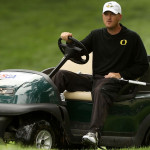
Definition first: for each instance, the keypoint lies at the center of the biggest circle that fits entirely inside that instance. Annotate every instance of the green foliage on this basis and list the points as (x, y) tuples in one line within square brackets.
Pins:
[(30, 28)]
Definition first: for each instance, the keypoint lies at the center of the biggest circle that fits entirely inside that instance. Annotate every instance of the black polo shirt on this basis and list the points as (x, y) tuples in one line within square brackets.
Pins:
[(122, 53)]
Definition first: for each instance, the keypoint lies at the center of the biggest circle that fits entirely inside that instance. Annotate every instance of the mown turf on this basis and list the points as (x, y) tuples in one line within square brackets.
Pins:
[(30, 29), (18, 147)]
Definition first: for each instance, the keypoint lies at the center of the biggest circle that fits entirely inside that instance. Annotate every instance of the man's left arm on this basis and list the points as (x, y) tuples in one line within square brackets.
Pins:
[(140, 62)]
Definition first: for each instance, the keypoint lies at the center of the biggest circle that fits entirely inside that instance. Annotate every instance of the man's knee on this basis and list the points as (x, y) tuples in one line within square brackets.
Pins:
[(110, 90), (106, 90), (60, 74)]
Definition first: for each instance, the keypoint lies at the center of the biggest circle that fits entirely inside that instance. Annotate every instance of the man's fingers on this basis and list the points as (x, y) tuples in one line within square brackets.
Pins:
[(113, 75), (65, 35)]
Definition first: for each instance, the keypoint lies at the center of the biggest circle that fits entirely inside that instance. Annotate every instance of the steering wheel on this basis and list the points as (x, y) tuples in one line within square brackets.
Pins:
[(74, 51)]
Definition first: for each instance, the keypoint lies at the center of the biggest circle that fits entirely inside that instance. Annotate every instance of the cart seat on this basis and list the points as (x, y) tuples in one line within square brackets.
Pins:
[(79, 95), (78, 68), (127, 92)]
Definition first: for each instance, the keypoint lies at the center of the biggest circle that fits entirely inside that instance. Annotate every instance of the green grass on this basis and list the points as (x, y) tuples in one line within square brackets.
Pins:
[(15, 147), (30, 29)]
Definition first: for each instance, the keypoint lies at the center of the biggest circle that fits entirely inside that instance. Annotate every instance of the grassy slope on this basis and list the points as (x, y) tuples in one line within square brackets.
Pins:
[(29, 29)]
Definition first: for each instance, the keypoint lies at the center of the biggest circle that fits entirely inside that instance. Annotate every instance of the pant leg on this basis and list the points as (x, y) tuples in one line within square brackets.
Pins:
[(104, 92), (66, 80)]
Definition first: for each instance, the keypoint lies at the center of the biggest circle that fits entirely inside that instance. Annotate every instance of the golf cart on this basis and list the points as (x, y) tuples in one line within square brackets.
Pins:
[(33, 112)]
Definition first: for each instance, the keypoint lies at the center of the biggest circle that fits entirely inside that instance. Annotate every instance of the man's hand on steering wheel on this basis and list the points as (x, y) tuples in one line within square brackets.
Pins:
[(65, 35), (73, 50)]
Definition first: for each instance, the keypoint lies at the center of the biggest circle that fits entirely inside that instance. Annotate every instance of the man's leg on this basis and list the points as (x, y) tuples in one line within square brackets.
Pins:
[(66, 80), (104, 92)]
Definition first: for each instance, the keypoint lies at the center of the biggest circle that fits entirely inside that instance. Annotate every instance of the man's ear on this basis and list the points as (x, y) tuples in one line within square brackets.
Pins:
[(120, 16)]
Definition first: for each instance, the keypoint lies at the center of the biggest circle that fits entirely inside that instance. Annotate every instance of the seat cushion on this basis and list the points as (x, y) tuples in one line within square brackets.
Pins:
[(78, 95), (126, 93), (79, 68)]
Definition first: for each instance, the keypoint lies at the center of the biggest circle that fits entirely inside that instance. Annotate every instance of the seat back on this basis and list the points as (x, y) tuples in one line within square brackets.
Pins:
[(127, 92), (79, 68), (145, 78)]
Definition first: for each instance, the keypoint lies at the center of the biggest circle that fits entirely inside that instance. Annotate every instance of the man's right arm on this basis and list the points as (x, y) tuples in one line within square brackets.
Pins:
[(86, 41), (65, 35)]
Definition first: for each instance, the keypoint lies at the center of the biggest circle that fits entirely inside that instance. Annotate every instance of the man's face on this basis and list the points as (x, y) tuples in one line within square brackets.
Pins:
[(111, 20)]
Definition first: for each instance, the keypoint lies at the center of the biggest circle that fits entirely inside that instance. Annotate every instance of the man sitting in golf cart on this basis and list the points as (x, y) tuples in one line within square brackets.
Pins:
[(117, 53)]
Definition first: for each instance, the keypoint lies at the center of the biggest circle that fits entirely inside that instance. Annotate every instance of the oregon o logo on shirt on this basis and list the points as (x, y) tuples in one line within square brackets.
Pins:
[(123, 42)]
